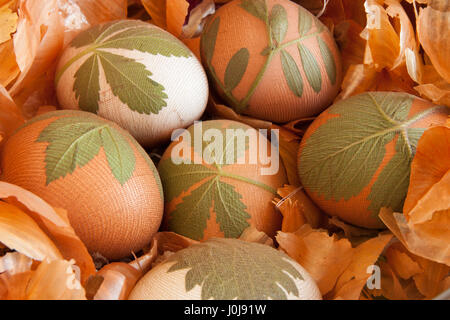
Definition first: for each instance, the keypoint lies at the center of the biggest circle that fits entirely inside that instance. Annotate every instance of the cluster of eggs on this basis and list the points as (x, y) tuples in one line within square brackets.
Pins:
[(128, 85)]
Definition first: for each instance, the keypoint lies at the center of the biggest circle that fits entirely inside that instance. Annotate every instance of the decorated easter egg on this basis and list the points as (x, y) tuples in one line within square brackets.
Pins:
[(355, 157), (227, 269), (219, 178), (136, 75), (271, 59), (93, 169)]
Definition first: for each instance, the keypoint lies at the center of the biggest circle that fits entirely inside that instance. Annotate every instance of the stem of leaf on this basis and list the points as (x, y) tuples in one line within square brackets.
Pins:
[(72, 61), (242, 105), (247, 180), (225, 91)]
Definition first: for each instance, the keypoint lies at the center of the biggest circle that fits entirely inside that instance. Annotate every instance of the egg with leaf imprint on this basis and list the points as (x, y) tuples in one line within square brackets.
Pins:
[(227, 269), (219, 178), (135, 74), (271, 59), (93, 169), (355, 158)]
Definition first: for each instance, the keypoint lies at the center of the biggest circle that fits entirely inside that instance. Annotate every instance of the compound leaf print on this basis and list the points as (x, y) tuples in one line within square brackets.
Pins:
[(194, 211), (264, 273), (203, 186), (73, 144), (129, 79)]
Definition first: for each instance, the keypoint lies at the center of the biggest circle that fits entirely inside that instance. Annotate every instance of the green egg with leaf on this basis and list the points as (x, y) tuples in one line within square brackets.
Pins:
[(355, 158)]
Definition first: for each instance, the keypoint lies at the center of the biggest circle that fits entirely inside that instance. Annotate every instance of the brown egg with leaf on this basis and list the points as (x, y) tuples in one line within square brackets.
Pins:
[(271, 59), (96, 171), (219, 178)]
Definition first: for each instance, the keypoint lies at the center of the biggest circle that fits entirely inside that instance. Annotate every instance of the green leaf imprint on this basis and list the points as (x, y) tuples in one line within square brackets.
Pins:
[(97, 33), (87, 85), (257, 8), (292, 73), (228, 269), (191, 215), (208, 40), (145, 39), (172, 174), (340, 158), (328, 60), (398, 169), (130, 80), (74, 141), (311, 68), (119, 154), (90, 35), (304, 21), (236, 69), (278, 23), (194, 211), (113, 27)]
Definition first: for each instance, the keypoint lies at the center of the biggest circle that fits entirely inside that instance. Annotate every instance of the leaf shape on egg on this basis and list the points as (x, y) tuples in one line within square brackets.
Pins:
[(278, 23), (257, 8), (204, 186), (145, 39), (328, 60), (191, 215), (292, 73), (194, 211), (304, 21), (236, 68), (311, 68), (129, 79), (131, 35), (208, 40), (366, 124), (75, 141), (267, 275), (87, 84), (98, 32)]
